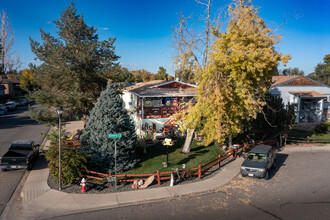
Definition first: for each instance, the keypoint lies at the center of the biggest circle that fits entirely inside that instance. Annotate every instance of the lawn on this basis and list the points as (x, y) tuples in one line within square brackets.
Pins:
[(322, 136), (152, 160)]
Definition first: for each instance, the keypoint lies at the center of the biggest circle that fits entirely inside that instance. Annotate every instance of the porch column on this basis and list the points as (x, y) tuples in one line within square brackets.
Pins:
[(298, 111), (321, 109)]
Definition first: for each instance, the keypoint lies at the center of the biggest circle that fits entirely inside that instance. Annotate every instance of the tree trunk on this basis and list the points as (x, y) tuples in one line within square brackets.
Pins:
[(187, 143)]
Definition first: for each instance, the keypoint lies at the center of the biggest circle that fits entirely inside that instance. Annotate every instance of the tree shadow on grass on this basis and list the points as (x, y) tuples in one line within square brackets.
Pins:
[(192, 156)]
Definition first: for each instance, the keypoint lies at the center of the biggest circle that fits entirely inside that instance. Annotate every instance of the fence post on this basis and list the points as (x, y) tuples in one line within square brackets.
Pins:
[(109, 177), (158, 177), (236, 153), (219, 160), (199, 171), (244, 147)]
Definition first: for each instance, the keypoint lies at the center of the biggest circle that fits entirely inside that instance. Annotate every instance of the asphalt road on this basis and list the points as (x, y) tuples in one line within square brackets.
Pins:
[(299, 188), (14, 126)]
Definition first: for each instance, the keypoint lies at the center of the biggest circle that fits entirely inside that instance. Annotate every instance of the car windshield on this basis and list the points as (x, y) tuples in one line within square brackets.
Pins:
[(258, 157)]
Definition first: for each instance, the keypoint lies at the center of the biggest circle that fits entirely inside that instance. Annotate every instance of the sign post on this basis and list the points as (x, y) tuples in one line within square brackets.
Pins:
[(115, 136)]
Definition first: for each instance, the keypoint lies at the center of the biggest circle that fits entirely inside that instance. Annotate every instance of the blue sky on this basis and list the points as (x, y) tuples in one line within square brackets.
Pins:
[(143, 27)]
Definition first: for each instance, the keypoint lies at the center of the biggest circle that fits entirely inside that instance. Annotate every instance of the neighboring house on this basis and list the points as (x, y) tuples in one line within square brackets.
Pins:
[(12, 86), (152, 103), (311, 99)]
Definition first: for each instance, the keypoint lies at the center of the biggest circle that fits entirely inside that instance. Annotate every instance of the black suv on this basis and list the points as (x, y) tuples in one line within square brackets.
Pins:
[(259, 161)]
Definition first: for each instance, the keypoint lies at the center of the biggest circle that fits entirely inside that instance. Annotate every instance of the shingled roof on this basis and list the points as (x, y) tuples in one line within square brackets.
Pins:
[(294, 81), (151, 89)]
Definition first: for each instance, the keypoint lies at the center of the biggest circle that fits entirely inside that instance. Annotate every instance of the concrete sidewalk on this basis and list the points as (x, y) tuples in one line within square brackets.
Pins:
[(39, 201)]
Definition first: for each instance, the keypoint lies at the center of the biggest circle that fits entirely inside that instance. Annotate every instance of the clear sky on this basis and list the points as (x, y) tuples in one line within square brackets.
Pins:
[(143, 27)]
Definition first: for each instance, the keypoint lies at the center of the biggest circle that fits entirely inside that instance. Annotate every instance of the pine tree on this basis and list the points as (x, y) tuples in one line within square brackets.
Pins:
[(240, 69), (109, 117), (74, 66)]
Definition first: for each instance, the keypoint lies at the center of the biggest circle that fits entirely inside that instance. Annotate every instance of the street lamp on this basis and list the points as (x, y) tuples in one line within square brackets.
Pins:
[(59, 113)]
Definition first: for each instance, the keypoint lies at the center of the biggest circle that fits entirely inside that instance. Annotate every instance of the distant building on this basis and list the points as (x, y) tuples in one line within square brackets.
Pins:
[(11, 86), (152, 103), (311, 99)]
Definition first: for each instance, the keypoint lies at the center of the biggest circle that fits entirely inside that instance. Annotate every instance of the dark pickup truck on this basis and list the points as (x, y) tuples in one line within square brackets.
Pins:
[(21, 154)]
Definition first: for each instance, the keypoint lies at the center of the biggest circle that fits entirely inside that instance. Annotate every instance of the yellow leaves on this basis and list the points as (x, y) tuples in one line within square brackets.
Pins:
[(239, 72)]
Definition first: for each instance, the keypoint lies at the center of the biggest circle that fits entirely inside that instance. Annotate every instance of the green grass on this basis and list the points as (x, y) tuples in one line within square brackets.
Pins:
[(313, 136), (152, 160)]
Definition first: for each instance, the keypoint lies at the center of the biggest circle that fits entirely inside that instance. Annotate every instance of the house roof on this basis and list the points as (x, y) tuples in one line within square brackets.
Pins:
[(280, 79), (294, 81), (162, 88), (308, 94), (7, 81)]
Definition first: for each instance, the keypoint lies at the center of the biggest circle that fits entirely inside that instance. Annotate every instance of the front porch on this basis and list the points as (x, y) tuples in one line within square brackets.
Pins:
[(308, 106)]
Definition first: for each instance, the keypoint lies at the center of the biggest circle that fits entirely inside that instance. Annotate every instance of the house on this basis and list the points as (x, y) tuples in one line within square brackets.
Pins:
[(153, 102), (311, 99), (11, 86)]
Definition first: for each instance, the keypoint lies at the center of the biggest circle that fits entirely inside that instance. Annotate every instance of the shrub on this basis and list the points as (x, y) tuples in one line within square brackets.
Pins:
[(321, 128), (73, 160)]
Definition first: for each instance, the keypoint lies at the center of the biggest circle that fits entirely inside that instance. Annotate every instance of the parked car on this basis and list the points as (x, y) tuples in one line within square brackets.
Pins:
[(259, 161), (21, 154), (3, 110), (22, 102), (11, 105)]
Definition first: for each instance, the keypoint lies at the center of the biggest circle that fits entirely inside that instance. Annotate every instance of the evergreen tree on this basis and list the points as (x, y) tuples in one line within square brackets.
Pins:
[(74, 66), (109, 117)]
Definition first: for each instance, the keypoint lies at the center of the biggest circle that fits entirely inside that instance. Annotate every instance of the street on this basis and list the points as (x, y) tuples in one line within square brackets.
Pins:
[(16, 125), (299, 188)]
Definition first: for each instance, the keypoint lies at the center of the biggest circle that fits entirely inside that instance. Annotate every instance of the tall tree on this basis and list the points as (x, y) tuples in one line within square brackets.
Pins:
[(26, 80), (231, 87), (75, 66), (9, 61), (141, 75), (322, 71), (109, 116), (121, 74), (292, 71), (161, 74), (185, 75)]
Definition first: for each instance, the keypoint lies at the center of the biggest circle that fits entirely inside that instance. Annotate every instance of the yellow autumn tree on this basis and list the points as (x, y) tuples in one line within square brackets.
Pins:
[(26, 80), (231, 86)]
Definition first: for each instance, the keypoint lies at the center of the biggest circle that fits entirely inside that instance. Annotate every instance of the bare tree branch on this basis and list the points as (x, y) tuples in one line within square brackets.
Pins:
[(9, 61)]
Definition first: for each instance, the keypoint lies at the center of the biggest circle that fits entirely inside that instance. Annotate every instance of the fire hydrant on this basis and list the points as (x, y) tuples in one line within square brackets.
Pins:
[(83, 185)]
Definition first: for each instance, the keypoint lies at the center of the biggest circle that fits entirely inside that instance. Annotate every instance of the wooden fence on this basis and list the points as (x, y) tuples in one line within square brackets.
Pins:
[(159, 176)]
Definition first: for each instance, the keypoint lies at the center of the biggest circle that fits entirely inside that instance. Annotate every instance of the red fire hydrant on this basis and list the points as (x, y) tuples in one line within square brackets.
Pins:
[(83, 185)]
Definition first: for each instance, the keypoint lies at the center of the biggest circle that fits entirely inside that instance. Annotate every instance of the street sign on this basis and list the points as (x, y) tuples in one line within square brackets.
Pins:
[(115, 135)]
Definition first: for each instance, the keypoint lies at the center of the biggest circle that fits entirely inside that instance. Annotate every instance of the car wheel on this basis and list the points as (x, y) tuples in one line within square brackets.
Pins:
[(243, 175), (29, 167), (267, 175), (4, 170)]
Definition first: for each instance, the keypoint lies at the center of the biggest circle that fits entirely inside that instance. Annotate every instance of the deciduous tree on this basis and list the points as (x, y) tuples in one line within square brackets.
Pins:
[(232, 85), (9, 61), (292, 71), (322, 71)]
